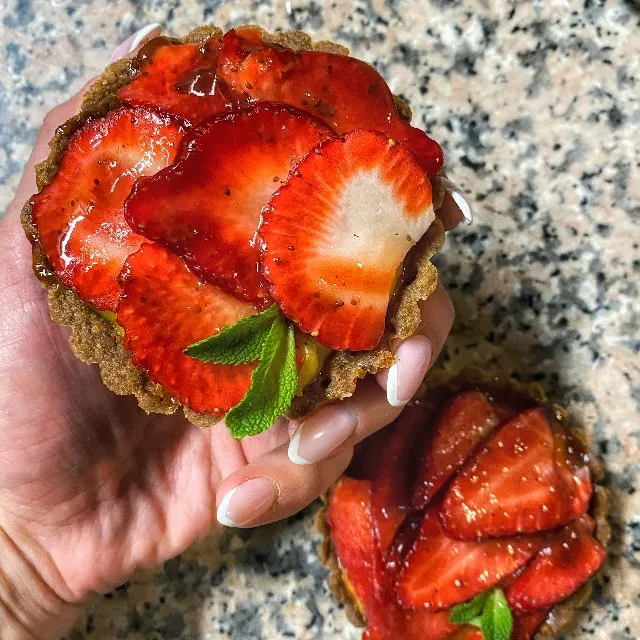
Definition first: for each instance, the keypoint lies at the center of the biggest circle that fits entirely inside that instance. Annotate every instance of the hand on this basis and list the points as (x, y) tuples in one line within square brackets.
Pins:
[(92, 489)]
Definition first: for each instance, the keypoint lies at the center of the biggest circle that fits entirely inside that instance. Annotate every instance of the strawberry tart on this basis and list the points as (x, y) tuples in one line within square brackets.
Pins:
[(237, 224), (476, 515)]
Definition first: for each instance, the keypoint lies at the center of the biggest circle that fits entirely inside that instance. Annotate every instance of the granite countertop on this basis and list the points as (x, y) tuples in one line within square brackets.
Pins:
[(538, 107)]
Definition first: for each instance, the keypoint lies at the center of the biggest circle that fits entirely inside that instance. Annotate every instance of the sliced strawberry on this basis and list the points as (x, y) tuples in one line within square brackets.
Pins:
[(402, 542), (468, 633), (392, 484), (522, 481), (79, 217), (206, 206), (417, 625), (525, 627), (164, 309), (346, 93), (558, 570), (420, 625), (465, 421), (336, 232), (441, 571), (179, 79), (351, 521)]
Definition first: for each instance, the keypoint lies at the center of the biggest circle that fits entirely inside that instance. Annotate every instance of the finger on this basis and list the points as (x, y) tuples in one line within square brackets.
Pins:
[(417, 354), (276, 435), (341, 425), (63, 112), (272, 488), (226, 452)]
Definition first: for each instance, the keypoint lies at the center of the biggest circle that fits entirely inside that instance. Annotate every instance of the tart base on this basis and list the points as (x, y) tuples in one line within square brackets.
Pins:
[(564, 613), (97, 340)]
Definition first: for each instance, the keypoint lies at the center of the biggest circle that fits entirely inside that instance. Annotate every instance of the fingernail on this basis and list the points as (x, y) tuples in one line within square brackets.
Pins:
[(134, 41), (247, 502), (321, 434), (458, 198), (413, 357), (463, 205)]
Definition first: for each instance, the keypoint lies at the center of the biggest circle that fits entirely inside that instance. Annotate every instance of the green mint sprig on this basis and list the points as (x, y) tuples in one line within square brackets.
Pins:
[(489, 611), (268, 338)]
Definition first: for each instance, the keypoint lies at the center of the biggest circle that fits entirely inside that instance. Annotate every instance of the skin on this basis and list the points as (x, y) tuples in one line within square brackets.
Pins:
[(91, 488)]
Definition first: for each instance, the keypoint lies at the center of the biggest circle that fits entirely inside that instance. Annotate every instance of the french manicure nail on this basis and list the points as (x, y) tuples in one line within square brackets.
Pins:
[(247, 502), (134, 41), (463, 205), (321, 434), (413, 357), (458, 198)]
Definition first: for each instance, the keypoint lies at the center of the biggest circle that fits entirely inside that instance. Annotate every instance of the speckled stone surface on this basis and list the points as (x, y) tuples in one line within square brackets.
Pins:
[(538, 107)]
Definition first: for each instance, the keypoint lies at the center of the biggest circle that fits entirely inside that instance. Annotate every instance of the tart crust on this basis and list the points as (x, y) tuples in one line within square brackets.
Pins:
[(565, 612), (95, 339)]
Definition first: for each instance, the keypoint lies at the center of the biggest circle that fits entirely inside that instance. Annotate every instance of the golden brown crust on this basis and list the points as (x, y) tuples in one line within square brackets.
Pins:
[(563, 614), (407, 317), (94, 339)]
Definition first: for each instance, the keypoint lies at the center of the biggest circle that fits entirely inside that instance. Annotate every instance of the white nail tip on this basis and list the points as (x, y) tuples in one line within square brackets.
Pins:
[(142, 34), (463, 205), (221, 514), (392, 387), (294, 445)]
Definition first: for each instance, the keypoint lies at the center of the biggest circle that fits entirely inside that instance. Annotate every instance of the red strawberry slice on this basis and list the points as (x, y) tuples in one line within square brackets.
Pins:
[(164, 309), (403, 542), (525, 627), (346, 93), (179, 79), (351, 521), (441, 571), (391, 492), (206, 206), (465, 421), (468, 633), (558, 570), (79, 214), (520, 482), (336, 232), (419, 625)]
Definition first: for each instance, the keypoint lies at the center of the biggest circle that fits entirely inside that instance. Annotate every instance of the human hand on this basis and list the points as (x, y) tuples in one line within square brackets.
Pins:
[(92, 489)]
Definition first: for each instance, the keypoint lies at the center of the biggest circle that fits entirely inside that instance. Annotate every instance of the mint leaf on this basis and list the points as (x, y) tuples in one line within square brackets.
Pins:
[(496, 622), (273, 383), (239, 342), (489, 611), (268, 338), (466, 612)]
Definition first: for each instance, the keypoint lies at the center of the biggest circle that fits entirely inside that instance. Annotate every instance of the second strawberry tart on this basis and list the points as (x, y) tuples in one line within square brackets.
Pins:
[(476, 515)]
